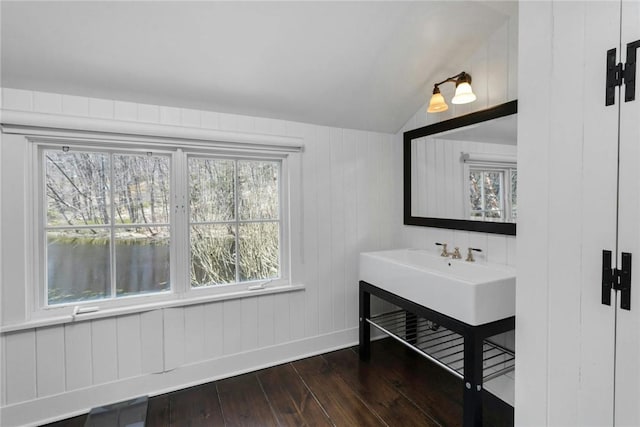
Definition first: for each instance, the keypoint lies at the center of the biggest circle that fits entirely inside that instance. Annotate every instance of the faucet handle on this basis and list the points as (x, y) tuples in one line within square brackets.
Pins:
[(444, 252), (470, 257)]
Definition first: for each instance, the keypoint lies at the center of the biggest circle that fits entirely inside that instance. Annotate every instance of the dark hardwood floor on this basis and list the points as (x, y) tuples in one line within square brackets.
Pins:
[(397, 387)]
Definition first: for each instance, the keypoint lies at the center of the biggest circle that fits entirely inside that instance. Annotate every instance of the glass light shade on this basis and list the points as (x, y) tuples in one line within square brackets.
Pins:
[(464, 94), (437, 104)]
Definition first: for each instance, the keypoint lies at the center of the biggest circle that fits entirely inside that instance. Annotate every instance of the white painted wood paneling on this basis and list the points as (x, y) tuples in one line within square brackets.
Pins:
[(170, 116), (498, 66), (565, 224), (579, 135), (148, 113), (375, 166), (17, 99), (351, 226), (152, 341), (497, 249), (3, 370), (532, 288), (14, 155), (297, 301), (78, 361), (104, 350), (129, 346), (210, 120), (75, 105), (512, 44), (214, 329), (297, 315), (101, 108), (174, 338), (266, 320), (190, 118), (47, 102), (232, 321), (248, 323), (270, 126), (127, 111), (310, 229), (194, 332), (324, 242), (236, 122), (387, 191), (627, 410), (338, 262), (364, 236), (282, 319), (512, 251), (480, 69), (20, 353)]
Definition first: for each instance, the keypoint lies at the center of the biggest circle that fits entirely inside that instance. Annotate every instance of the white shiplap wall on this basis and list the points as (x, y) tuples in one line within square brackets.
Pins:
[(341, 204)]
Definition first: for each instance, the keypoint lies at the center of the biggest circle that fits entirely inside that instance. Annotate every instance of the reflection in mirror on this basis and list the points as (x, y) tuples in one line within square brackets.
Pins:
[(462, 172), (466, 173)]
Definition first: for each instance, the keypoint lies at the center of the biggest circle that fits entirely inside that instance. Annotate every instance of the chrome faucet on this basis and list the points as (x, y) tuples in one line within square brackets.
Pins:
[(444, 252), (470, 257), (456, 253)]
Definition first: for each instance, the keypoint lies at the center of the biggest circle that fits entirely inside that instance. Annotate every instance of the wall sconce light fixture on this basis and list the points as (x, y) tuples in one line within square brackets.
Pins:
[(464, 93)]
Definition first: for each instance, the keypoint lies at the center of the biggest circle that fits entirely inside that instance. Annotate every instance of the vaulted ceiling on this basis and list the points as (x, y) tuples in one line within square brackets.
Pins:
[(360, 65)]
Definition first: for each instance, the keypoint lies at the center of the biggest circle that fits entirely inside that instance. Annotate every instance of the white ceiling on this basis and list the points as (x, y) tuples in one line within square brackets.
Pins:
[(360, 65)]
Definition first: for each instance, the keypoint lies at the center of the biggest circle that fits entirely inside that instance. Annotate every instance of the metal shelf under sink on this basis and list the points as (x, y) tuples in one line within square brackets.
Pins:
[(441, 345)]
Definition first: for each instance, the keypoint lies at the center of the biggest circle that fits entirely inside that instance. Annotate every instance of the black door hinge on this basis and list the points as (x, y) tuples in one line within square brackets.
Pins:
[(616, 279), (618, 73), (614, 77)]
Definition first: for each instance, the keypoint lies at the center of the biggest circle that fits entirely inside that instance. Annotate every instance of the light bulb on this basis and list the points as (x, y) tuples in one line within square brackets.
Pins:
[(464, 94), (437, 103)]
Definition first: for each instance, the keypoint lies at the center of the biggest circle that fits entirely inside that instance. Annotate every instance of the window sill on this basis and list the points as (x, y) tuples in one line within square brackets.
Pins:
[(141, 308)]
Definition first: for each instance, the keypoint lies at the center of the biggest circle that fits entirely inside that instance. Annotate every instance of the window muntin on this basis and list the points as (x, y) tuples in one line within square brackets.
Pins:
[(106, 225), (234, 220)]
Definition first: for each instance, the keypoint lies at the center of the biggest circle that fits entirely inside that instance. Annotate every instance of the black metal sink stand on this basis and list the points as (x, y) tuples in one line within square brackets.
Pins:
[(473, 336)]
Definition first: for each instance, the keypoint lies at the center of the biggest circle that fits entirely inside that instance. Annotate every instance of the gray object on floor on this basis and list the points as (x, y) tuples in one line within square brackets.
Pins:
[(130, 413)]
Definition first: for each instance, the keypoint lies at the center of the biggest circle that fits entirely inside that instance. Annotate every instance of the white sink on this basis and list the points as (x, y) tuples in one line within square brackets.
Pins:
[(474, 293)]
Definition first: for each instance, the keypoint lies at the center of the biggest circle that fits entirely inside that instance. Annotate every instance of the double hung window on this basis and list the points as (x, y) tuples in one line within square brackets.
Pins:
[(118, 223)]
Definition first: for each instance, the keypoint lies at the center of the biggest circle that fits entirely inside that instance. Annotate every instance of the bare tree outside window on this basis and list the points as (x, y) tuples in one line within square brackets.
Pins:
[(234, 220)]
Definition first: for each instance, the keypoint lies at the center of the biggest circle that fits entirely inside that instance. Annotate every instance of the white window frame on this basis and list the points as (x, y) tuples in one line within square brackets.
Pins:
[(488, 162), (181, 292)]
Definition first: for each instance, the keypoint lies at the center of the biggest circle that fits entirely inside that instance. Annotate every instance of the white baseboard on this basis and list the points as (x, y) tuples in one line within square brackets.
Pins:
[(69, 404)]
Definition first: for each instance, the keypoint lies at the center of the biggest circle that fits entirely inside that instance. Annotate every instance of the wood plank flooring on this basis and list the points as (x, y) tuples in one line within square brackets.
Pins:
[(396, 387)]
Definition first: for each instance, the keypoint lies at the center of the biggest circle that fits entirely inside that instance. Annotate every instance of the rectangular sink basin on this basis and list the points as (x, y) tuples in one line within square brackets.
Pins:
[(474, 293)]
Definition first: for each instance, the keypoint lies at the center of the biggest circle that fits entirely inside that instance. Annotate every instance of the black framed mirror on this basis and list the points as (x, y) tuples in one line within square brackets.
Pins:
[(461, 173)]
